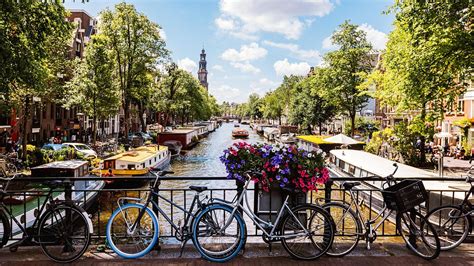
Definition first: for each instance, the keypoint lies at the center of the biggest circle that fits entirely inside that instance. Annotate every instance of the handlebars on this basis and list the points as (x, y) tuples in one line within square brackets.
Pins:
[(390, 177)]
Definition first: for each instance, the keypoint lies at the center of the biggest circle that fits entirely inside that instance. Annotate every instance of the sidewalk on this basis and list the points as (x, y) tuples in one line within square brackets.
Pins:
[(382, 253)]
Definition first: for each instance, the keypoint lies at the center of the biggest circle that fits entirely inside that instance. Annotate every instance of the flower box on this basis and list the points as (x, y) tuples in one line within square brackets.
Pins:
[(268, 204)]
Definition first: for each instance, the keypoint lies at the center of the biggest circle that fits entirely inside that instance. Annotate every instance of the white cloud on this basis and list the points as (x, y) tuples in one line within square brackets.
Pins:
[(377, 38), (283, 67), (246, 67), (263, 85), (187, 64), (226, 93), (247, 53), (288, 18), (308, 55), (225, 23), (163, 34), (328, 45), (218, 68)]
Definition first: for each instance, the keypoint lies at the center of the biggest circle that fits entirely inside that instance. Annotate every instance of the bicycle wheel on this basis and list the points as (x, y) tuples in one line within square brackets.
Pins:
[(419, 235), (451, 225), (127, 243), (64, 233), (4, 229), (218, 234), (348, 228), (307, 232)]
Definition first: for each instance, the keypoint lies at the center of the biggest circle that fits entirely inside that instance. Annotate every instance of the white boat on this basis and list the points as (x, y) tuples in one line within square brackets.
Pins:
[(271, 133), (287, 139), (27, 210), (357, 163)]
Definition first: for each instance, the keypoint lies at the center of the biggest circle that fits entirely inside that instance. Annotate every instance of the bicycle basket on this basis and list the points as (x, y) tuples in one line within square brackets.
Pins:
[(405, 195)]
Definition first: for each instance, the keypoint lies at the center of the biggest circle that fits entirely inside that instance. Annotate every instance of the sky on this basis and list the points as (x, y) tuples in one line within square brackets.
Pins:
[(252, 44)]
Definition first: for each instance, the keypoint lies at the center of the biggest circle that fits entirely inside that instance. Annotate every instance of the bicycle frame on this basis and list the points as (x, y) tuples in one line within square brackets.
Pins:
[(7, 210), (238, 204), (154, 193)]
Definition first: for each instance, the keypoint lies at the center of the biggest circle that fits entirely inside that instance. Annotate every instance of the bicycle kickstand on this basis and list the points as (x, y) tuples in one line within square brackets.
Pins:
[(183, 245)]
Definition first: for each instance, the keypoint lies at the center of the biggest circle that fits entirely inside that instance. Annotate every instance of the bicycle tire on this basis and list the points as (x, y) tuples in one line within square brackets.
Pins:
[(421, 231), (451, 224), (203, 220), (343, 245), (62, 241), (150, 244), (291, 224), (5, 229)]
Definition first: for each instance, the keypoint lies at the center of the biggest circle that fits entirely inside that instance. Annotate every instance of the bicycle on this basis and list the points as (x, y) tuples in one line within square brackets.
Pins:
[(133, 229), (419, 235), (306, 231), (453, 222), (61, 228)]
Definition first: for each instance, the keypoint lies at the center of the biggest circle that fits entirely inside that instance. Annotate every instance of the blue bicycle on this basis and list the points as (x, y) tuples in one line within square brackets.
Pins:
[(133, 229)]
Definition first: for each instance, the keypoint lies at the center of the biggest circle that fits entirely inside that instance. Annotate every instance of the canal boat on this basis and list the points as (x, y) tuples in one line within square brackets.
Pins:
[(357, 163), (188, 137), (174, 146), (137, 161), (271, 133), (285, 139), (240, 133), (85, 192)]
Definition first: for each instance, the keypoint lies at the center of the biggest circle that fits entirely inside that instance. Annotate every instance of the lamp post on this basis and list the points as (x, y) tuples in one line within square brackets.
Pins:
[(80, 117)]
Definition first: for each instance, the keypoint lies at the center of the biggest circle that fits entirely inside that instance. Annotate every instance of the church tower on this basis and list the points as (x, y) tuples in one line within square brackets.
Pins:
[(202, 72)]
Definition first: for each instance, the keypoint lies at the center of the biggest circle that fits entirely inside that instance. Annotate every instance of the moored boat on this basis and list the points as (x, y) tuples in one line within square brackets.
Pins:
[(240, 133), (137, 161), (24, 206)]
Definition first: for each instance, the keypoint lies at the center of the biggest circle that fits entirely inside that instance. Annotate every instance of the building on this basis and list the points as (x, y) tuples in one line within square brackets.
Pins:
[(202, 72)]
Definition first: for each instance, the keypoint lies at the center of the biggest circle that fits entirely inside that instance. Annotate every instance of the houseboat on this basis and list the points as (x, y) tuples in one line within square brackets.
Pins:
[(313, 142), (240, 133), (137, 161), (357, 163), (285, 139), (187, 137), (25, 205)]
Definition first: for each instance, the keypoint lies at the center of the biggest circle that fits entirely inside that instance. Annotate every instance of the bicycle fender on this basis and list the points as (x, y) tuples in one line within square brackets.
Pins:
[(89, 222)]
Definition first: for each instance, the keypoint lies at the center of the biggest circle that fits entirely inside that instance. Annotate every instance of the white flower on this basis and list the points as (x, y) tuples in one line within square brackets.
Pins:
[(310, 155), (277, 166)]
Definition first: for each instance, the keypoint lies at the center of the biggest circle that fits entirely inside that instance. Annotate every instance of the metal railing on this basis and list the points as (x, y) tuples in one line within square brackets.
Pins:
[(101, 202)]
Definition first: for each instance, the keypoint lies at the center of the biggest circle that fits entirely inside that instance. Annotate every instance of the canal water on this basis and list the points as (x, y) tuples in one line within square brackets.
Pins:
[(203, 160)]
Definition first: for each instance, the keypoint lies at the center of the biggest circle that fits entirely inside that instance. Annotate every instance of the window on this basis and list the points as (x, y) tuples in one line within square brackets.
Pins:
[(460, 105)]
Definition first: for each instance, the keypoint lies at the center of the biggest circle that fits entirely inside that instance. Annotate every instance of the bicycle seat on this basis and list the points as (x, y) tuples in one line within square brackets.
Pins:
[(198, 188), (350, 185)]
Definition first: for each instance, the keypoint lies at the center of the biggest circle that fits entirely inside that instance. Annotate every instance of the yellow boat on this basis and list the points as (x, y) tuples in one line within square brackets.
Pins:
[(136, 161)]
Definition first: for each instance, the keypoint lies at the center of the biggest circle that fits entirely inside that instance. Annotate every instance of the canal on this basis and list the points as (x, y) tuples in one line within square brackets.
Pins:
[(203, 160)]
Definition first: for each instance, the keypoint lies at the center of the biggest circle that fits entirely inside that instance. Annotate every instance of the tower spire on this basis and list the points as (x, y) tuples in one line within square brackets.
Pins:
[(202, 72)]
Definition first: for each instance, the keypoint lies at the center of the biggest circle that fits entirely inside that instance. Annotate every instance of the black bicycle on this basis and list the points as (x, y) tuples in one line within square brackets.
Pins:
[(133, 228), (60, 227), (453, 222)]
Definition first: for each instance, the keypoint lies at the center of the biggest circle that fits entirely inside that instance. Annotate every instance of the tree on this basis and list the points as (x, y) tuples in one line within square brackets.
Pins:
[(32, 52), (348, 66), (309, 105), (272, 106), (428, 57), (254, 105), (93, 87), (136, 45)]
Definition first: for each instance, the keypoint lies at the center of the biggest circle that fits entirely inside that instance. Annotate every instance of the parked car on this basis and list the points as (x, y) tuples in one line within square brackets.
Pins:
[(145, 136), (82, 148), (52, 147)]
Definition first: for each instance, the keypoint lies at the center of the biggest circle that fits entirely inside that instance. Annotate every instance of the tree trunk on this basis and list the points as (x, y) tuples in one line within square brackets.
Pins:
[(422, 137), (24, 133), (142, 120), (126, 111), (353, 115), (94, 129)]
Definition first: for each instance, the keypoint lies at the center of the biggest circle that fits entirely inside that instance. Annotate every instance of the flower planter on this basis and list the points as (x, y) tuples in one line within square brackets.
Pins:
[(268, 204)]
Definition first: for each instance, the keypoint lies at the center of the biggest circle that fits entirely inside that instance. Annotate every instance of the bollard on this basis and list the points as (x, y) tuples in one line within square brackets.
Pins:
[(155, 190), (328, 190)]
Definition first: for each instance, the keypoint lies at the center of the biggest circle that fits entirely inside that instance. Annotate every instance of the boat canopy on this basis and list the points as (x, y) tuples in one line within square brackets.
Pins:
[(314, 139), (139, 154), (377, 165)]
